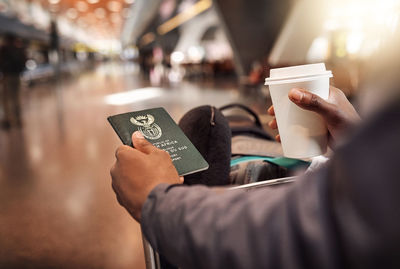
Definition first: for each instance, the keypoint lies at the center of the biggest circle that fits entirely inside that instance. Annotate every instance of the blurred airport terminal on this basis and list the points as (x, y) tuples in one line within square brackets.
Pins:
[(72, 63)]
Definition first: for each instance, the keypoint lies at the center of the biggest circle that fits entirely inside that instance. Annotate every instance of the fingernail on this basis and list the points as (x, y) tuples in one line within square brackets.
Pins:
[(296, 95), (138, 134)]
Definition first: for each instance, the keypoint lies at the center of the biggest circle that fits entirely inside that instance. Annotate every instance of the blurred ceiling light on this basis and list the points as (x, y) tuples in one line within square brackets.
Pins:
[(114, 6), (91, 18), (184, 16), (133, 96), (177, 57), (129, 2), (82, 6), (100, 13), (115, 18), (72, 13), (54, 2), (93, 1)]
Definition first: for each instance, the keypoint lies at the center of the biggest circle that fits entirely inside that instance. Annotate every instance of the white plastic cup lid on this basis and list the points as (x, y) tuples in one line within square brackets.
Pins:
[(297, 72)]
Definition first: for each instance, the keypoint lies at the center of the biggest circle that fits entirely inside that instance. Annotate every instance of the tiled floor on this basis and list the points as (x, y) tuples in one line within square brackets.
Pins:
[(57, 208)]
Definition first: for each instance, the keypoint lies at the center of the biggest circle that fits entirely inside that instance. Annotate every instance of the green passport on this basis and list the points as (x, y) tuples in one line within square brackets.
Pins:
[(160, 129)]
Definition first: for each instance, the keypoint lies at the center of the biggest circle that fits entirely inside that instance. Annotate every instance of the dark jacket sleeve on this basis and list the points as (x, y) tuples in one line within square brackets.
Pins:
[(345, 215)]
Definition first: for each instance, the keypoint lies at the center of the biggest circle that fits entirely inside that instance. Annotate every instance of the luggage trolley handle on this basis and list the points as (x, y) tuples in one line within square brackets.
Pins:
[(151, 257)]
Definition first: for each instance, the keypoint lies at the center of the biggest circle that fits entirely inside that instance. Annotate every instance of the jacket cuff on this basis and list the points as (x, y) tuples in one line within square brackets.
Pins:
[(148, 216)]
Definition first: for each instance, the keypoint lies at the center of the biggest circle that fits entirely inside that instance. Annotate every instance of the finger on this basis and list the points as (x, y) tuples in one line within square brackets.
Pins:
[(181, 179), (271, 111), (273, 124), (120, 202), (141, 144), (113, 170), (278, 138), (310, 101), (119, 199), (120, 149)]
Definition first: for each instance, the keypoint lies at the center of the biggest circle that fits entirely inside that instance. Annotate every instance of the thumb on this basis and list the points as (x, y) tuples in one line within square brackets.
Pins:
[(310, 101), (141, 144)]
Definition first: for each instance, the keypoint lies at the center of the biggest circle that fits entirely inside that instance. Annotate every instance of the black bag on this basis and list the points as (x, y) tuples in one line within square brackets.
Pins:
[(253, 150), (209, 131)]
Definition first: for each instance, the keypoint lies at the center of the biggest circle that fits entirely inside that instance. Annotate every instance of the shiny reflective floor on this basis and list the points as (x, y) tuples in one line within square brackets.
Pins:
[(57, 208)]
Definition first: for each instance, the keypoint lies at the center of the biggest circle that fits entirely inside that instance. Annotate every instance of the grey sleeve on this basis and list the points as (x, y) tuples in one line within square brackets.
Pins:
[(344, 215), (196, 228)]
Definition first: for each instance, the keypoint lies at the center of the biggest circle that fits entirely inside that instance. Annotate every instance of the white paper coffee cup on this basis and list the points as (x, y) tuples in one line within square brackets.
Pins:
[(303, 133)]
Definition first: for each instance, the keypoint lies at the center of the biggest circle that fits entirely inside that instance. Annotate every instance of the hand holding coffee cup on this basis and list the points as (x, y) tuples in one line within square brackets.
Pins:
[(303, 133), (337, 111)]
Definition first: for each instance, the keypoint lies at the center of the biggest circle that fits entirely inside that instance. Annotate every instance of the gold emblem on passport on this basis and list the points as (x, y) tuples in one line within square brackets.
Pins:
[(147, 126)]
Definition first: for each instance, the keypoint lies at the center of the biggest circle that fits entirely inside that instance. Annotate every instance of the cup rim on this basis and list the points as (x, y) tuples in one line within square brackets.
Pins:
[(273, 81)]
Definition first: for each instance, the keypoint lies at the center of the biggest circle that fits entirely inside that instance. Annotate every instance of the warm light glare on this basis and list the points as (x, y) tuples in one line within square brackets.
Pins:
[(133, 96), (107, 46), (318, 50), (82, 6), (114, 6), (115, 18), (72, 13), (100, 13), (354, 42), (365, 23)]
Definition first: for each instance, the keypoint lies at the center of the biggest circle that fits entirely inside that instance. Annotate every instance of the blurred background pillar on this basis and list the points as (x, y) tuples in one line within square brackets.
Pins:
[(252, 27)]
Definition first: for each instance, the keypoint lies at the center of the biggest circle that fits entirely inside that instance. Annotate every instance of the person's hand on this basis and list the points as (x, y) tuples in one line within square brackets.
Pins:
[(138, 170), (337, 111)]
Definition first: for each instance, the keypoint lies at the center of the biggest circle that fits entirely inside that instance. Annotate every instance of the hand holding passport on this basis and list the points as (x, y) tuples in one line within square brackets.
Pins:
[(137, 171), (159, 128)]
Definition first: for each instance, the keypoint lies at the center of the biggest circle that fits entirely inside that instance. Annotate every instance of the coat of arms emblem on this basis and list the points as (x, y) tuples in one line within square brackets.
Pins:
[(147, 126)]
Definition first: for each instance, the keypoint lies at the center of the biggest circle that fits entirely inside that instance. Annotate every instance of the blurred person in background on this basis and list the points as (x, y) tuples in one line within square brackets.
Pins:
[(12, 63), (54, 53), (342, 215)]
